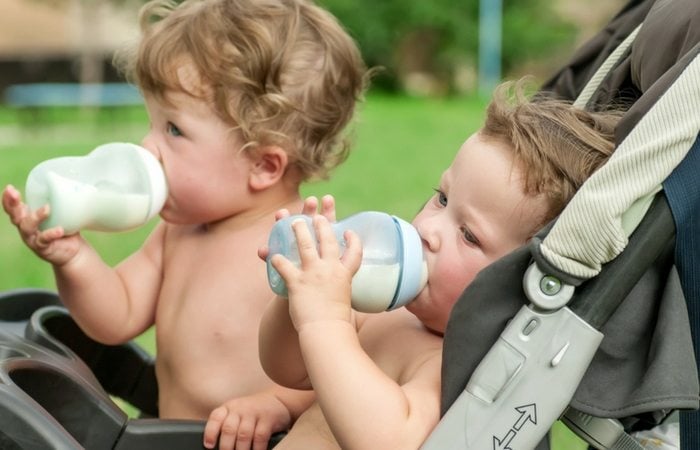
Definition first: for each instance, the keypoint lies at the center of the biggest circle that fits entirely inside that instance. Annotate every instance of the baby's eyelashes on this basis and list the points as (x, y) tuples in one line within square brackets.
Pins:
[(173, 129)]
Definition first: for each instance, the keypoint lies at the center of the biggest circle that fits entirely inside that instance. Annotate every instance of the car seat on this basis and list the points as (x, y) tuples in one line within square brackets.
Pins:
[(610, 333)]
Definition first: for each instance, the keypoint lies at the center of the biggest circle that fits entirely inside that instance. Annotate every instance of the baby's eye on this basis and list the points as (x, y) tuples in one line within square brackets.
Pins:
[(469, 236), (441, 197), (173, 130)]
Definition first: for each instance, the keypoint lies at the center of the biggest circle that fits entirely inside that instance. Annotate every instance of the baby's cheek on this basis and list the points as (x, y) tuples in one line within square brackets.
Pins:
[(450, 281)]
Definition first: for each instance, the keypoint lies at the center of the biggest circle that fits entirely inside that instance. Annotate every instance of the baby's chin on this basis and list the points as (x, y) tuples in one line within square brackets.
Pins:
[(424, 312), (177, 216)]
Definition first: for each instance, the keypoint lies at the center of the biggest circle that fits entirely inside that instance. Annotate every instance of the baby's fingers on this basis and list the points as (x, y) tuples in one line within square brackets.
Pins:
[(219, 422), (328, 245), (44, 238), (310, 206), (12, 204), (28, 224), (306, 243), (352, 256), (281, 214), (263, 252), (284, 267), (246, 433), (261, 435), (328, 207)]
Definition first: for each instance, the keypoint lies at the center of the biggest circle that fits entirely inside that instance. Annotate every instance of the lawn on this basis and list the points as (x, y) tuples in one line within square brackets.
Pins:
[(402, 145)]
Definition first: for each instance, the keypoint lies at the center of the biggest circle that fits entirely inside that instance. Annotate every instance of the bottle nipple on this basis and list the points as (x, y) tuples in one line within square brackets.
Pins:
[(423, 276)]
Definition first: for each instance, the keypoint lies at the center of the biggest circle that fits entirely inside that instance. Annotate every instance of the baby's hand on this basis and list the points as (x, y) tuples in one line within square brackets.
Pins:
[(310, 208), (246, 422), (50, 245), (326, 209), (320, 289)]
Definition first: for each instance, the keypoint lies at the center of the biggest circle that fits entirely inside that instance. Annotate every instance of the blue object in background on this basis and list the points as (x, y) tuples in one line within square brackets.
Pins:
[(490, 14)]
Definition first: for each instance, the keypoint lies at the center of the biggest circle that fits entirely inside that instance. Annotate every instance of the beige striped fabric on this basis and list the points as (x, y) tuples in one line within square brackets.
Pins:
[(590, 231)]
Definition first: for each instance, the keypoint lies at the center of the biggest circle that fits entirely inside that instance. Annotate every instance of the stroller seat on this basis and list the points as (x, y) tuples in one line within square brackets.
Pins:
[(53, 380)]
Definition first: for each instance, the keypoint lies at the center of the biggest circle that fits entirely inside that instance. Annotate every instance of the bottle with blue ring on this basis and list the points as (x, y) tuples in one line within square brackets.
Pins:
[(392, 272)]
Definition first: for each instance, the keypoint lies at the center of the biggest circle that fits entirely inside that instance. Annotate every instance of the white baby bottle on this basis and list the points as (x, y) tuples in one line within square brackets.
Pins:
[(118, 186), (392, 271)]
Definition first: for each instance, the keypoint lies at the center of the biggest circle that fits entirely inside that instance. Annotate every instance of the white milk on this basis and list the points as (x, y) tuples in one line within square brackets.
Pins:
[(114, 211), (76, 205), (374, 286)]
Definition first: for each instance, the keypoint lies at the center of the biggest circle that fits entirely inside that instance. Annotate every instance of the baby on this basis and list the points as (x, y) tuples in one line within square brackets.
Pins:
[(246, 100), (376, 377)]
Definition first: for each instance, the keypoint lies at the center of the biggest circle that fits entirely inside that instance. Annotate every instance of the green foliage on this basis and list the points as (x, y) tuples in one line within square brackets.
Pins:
[(451, 29), (531, 31), (380, 26)]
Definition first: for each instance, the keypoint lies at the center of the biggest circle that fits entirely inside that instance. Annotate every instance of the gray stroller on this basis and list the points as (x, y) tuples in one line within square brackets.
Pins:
[(600, 312)]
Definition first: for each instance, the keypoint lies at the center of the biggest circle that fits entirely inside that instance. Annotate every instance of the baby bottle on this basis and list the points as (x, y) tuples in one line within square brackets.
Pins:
[(392, 271), (118, 186)]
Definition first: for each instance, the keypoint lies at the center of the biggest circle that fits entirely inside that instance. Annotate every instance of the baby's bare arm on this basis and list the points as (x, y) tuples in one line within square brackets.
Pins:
[(110, 305), (349, 384), (280, 354), (113, 305), (402, 394)]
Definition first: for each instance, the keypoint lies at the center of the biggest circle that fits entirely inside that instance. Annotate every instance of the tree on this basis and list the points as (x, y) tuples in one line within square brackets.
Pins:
[(441, 36)]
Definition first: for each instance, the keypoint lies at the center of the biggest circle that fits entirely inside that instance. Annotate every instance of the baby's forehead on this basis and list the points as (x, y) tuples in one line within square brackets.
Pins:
[(485, 174)]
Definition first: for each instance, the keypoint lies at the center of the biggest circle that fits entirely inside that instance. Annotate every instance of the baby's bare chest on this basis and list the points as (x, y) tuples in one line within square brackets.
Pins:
[(215, 288)]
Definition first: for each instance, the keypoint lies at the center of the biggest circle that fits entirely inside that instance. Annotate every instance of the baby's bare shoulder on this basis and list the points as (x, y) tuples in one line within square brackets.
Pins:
[(398, 343)]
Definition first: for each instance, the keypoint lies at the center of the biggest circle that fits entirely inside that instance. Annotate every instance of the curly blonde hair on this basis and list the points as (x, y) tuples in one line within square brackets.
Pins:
[(557, 146), (280, 72)]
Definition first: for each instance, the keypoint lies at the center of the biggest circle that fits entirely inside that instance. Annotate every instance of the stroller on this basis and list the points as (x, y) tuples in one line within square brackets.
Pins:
[(600, 333), (614, 288)]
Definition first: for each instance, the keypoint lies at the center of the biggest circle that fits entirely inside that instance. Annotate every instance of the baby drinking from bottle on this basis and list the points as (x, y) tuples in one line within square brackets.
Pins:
[(241, 113), (376, 377)]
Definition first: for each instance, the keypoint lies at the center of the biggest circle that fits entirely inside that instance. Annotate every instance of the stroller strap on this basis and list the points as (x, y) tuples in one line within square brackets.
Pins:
[(604, 70)]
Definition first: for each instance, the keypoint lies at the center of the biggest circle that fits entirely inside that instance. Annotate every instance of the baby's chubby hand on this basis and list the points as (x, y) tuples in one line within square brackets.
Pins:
[(51, 245), (320, 289), (311, 208), (246, 422)]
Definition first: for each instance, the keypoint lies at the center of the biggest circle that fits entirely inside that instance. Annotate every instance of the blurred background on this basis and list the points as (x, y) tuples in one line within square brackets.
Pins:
[(427, 48), (60, 95)]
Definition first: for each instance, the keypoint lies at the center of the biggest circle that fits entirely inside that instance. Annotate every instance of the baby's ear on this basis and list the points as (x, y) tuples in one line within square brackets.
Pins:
[(268, 165)]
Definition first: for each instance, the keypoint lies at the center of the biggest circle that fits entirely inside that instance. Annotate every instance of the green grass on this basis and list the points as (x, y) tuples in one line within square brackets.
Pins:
[(402, 145)]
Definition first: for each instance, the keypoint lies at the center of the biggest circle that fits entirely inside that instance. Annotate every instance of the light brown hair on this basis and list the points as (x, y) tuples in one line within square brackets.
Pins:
[(557, 146), (280, 72)]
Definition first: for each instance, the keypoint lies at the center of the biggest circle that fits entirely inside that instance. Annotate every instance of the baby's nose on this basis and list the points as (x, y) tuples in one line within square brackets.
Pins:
[(429, 235)]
